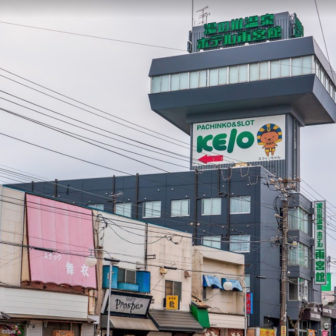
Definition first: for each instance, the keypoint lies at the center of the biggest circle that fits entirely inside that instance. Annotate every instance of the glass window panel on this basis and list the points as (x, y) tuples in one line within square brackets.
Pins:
[(299, 255), (99, 206), (213, 77), (152, 209), (233, 74), (240, 243), (307, 64), (175, 82), (212, 241), (285, 67), (298, 220), (254, 71), (180, 208), (243, 69), (173, 288), (203, 78), (156, 84), (263, 70), (248, 282), (322, 77), (123, 209), (222, 74), (184, 81), (194, 78), (275, 69), (165, 83), (327, 85), (297, 66), (130, 276), (211, 206), (240, 205)]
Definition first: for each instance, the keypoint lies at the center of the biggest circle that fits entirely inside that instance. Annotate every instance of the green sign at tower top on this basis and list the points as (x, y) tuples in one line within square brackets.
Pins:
[(250, 29)]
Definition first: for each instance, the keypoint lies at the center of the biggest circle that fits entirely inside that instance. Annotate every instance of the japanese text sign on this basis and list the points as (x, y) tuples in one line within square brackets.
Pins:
[(320, 242), (172, 302), (249, 303), (61, 237)]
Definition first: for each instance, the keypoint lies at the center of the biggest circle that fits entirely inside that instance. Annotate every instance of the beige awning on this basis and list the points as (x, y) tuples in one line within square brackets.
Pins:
[(48, 317), (131, 323)]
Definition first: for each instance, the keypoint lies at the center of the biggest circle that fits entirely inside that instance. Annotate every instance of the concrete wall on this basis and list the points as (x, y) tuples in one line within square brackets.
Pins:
[(175, 250), (210, 261)]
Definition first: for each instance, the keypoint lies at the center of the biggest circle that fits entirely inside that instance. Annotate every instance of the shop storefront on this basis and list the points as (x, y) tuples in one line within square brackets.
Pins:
[(128, 314)]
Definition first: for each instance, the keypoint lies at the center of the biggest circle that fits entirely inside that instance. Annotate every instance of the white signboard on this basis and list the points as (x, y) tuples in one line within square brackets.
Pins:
[(239, 140), (129, 304)]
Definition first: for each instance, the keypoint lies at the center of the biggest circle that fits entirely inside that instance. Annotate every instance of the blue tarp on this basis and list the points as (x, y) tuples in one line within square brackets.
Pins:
[(236, 286), (211, 281)]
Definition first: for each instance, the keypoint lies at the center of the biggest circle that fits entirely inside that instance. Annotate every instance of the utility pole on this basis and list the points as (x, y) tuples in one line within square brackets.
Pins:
[(284, 186)]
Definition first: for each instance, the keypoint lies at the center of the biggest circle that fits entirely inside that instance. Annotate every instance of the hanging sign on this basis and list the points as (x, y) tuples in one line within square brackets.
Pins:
[(172, 302), (239, 140), (320, 242)]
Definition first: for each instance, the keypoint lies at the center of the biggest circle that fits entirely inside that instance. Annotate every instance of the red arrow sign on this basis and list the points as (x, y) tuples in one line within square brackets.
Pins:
[(207, 158)]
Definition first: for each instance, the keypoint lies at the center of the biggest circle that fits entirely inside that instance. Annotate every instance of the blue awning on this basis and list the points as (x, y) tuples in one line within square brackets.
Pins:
[(211, 281), (236, 286)]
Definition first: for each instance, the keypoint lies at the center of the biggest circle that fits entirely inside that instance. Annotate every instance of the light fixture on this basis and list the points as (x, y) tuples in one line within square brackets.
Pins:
[(228, 286)]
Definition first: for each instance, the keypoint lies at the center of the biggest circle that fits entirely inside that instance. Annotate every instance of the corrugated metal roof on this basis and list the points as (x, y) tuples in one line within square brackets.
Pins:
[(174, 321)]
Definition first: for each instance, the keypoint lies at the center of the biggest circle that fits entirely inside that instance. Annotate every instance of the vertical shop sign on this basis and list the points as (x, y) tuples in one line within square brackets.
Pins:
[(320, 242)]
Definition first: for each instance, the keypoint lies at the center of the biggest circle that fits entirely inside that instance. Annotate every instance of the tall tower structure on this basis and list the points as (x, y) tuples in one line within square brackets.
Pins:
[(244, 91)]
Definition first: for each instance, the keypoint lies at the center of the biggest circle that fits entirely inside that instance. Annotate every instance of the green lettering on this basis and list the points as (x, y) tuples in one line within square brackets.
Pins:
[(202, 143), (219, 141), (249, 140), (232, 140)]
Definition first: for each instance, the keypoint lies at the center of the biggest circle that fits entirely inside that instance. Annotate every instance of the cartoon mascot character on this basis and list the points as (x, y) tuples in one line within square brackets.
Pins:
[(268, 136)]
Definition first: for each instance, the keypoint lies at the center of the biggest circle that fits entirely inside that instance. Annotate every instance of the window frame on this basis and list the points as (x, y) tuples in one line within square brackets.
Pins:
[(212, 241), (144, 204), (212, 199), (123, 214), (180, 214), (174, 283), (240, 213), (125, 272), (241, 243)]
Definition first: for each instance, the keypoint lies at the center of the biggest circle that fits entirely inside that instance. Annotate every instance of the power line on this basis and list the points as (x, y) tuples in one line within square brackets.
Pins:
[(92, 36)]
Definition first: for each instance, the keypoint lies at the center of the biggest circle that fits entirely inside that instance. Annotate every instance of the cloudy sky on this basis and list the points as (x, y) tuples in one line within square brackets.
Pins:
[(113, 77)]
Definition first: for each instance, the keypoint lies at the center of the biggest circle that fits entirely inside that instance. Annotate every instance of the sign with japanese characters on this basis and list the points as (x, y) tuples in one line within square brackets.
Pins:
[(60, 237), (267, 332), (249, 303), (320, 242), (129, 304), (172, 302), (239, 140), (251, 29)]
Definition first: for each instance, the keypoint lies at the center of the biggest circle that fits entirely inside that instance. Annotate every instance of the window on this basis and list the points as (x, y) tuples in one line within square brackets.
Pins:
[(240, 243), (298, 289), (298, 220), (165, 83), (302, 65), (254, 71), (125, 275), (280, 68), (299, 256), (243, 73), (240, 205), (212, 241), (180, 208), (97, 206), (152, 209), (263, 70), (222, 76), (213, 77), (197, 79), (234, 74), (211, 206), (248, 282), (156, 82), (123, 209), (173, 288)]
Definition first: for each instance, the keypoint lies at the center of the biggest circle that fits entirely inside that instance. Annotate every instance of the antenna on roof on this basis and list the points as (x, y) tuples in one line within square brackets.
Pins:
[(203, 14)]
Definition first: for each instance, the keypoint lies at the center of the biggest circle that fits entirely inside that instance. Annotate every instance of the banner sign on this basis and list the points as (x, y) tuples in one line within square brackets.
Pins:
[(327, 286), (267, 332), (62, 237), (239, 140), (320, 242), (249, 303), (12, 330), (172, 302), (129, 304)]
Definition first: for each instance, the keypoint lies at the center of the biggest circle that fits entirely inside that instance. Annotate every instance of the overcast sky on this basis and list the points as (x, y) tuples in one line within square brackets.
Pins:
[(113, 76)]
